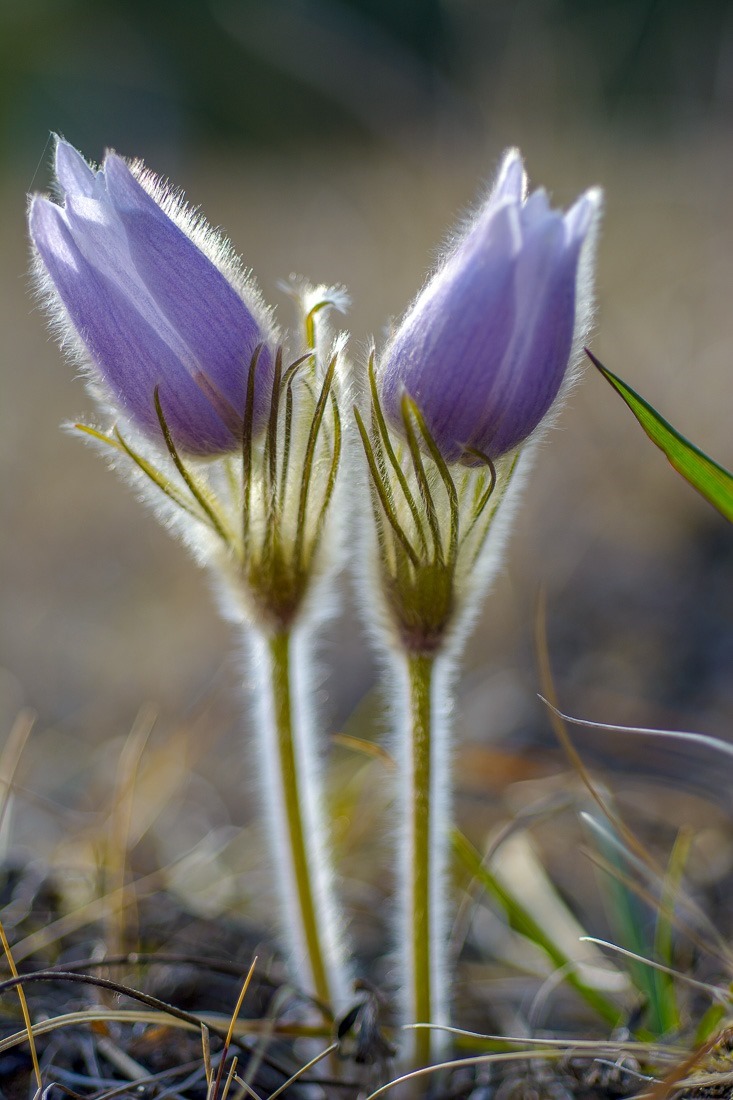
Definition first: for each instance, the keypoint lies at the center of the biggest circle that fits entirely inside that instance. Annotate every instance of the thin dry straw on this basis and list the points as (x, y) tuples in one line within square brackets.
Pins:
[(214, 1093), (665, 1088), (158, 1078), (297, 1075), (189, 1018), (11, 754), (23, 1005), (547, 1051), (723, 996), (120, 820)]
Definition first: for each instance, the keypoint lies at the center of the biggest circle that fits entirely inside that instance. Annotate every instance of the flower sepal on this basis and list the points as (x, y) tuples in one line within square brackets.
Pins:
[(431, 520)]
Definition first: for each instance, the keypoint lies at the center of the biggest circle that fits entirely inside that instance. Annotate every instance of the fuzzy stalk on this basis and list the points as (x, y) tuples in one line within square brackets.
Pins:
[(296, 825), (424, 808), (423, 982)]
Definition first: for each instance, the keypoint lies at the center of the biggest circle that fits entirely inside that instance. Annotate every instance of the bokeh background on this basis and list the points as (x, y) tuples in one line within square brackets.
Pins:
[(341, 139)]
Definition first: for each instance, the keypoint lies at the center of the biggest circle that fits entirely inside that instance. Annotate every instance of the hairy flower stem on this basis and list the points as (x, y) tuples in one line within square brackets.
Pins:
[(425, 807), (420, 672), (295, 835)]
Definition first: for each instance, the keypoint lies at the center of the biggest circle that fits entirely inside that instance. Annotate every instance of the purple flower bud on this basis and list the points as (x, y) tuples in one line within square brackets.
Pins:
[(155, 299), (485, 347)]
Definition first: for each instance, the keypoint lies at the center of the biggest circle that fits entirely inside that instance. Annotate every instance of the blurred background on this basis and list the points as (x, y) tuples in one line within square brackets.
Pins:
[(342, 139)]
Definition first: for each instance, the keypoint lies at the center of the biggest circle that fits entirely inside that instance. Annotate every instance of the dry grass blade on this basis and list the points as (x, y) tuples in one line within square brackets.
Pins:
[(365, 748), (120, 1059), (10, 758), (247, 1088), (206, 1052), (156, 1017), (230, 1078), (267, 1030), (115, 867), (543, 1053), (676, 1077), (156, 1078), (713, 991), (214, 1093), (84, 1017), (303, 1070), (23, 1007), (240, 1000), (607, 1047), (18, 980)]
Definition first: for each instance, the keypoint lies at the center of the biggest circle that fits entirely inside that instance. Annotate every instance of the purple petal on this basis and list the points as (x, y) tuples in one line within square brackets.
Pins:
[(462, 322), (536, 210), (129, 353), (73, 172), (511, 182), (100, 237), (579, 217), (524, 387), (190, 291)]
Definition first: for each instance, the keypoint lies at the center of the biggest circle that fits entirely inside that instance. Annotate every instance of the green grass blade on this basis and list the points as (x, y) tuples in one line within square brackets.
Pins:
[(710, 480), (628, 918), (663, 935), (708, 1023), (524, 923)]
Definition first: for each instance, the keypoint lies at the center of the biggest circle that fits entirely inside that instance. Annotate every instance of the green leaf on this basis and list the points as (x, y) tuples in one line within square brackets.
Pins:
[(523, 922), (711, 480), (709, 1021)]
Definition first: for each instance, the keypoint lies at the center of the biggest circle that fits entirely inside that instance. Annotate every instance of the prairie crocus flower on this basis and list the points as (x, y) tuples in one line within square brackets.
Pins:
[(155, 300), (485, 348), (455, 400), (235, 439)]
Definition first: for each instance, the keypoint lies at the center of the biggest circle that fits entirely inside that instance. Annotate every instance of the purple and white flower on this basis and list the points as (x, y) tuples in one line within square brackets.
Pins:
[(486, 346), (154, 299)]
